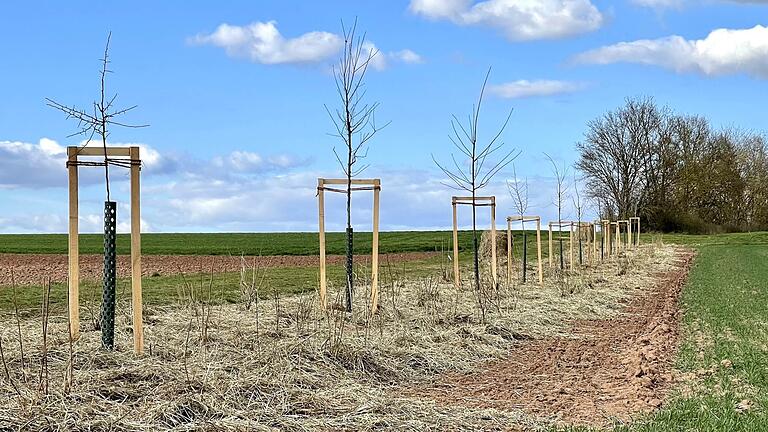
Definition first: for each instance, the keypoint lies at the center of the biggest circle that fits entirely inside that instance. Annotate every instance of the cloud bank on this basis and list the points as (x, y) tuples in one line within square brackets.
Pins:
[(722, 52), (518, 20), (262, 42)]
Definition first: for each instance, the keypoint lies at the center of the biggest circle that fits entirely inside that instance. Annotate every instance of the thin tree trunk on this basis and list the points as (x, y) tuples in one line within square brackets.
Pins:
[(350, 244)]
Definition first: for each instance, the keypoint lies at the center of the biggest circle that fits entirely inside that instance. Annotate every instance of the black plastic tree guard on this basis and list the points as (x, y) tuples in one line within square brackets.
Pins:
[(110, 275), (525, 254), (350, 280), (562, 263)]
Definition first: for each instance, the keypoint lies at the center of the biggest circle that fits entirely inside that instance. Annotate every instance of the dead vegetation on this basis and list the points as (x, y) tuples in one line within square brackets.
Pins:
[(284, 364)]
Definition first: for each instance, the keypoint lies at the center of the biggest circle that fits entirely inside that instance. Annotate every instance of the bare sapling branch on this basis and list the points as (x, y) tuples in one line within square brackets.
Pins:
[(559, 198), (518, 190), (102, 117), (578, 207)]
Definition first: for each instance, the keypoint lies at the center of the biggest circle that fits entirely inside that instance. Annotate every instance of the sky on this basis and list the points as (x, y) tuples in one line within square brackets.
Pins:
[(234, 94)]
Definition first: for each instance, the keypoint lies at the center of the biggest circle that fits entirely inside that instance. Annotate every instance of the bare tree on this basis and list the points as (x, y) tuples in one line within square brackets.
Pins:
[(578, 207), (518, 190), (619, 152), (97, 122), (559, 198), (479, 170), (354, 121)]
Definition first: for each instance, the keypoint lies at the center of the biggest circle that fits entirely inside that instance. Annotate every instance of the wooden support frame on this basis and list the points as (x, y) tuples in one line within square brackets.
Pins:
[(606, 229), (560, 225), (625, 244), (357, 185), (487, 201), (523, 219), (582, 230), (133, 156), (635, 222)]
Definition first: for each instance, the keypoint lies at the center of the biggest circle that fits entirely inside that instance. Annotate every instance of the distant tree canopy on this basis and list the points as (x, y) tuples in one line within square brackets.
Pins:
[(675, 171)]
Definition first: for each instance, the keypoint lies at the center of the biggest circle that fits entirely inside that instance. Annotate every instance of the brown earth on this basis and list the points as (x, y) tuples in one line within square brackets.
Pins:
[(30, 269), (612, 370)]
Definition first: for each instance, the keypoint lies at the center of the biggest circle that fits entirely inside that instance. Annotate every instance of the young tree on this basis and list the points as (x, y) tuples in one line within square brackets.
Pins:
[(477, 170), (579, 209), (355, 123), (559, 199), (96, 123), (518, 190)]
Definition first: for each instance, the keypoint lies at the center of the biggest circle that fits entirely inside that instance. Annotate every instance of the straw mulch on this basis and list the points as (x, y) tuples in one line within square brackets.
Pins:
[(286, 365)]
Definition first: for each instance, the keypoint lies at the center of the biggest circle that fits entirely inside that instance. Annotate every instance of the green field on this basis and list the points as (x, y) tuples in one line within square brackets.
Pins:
[(724, 349), (223, 287), (246, 243), (725, 322)]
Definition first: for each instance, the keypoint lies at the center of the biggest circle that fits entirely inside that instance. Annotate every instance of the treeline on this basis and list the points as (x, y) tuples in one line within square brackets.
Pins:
[(675, 171)]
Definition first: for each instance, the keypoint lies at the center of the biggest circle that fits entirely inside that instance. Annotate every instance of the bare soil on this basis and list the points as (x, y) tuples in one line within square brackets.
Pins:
[(31, 269), (610, 371)]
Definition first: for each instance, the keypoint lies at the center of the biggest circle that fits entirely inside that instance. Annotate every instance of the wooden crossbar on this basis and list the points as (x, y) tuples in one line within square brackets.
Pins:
[(99, 151), (523, 219), (369, 182), (456, 199)]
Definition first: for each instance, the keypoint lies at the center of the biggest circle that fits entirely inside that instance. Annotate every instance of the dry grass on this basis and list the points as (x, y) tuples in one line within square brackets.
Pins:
[(286, 365)]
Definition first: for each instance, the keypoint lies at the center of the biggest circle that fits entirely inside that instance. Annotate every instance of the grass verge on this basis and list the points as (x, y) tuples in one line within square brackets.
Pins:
[(724, 356)]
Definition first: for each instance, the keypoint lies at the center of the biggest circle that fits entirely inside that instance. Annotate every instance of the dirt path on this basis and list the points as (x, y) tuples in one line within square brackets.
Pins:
[(29, 269), (612, 370)]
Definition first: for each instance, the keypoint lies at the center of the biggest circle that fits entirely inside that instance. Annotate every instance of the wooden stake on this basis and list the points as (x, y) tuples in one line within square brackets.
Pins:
[(570, 239), (136, 290), (321, 235), (375, 249), (638, 231), (74, 246), (594, 242), (550, 245), (456, 275), (493, 241), (538, 250), (509, 252)]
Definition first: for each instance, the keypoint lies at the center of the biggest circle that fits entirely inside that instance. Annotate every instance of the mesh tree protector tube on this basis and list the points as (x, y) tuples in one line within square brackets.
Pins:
[(110, 276), (350, 268)]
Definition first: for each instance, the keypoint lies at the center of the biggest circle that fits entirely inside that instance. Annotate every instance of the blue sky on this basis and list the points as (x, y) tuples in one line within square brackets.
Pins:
[(238, 131)]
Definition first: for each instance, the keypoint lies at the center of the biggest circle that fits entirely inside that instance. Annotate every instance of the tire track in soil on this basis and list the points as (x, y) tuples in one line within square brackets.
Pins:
[(31, 269), (615, 369)]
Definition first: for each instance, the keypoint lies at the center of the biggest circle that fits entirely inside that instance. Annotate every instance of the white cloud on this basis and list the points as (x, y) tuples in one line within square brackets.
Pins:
[(32, 165), (43, 165), (407, 56), (261, 42), (517, 19), (525, 88), (722, 52), (660, 4), (249, 162)]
